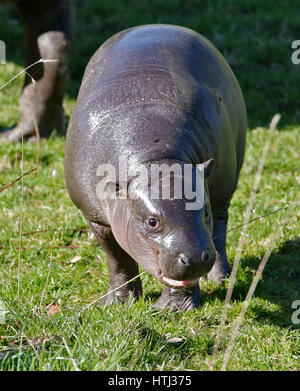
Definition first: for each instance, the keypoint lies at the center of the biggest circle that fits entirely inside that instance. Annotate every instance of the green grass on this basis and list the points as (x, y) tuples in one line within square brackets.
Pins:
[(255, 37)]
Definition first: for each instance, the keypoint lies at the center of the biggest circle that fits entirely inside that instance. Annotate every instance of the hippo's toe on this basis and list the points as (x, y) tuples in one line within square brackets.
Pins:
[(132, 291), (179, 299)]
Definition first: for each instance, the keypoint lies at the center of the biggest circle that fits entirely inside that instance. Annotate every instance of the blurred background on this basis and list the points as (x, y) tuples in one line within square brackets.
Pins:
[(254, 36)]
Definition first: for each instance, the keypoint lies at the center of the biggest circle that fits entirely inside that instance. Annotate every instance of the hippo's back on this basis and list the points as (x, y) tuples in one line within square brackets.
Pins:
[(154, 92)]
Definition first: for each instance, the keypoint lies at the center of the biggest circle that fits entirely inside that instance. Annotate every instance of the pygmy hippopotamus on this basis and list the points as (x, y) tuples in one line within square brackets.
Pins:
[(157, 94), (48, 29)]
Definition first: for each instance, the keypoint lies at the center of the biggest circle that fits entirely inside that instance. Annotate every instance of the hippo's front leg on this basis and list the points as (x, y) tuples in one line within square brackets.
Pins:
[(121, 266), (221, 267)]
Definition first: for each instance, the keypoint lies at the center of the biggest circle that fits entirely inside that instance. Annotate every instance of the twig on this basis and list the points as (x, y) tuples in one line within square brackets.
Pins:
[(232, 278), (42, 297), (246, 303), (251, 290), (38, 138), (56, 230), (108, 293), (41, 60), (258, 218), (16, 180), (43, 247), (21, 217)]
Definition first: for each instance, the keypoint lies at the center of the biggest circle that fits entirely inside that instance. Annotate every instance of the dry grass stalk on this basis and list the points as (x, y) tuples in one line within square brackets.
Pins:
[(232, 278)]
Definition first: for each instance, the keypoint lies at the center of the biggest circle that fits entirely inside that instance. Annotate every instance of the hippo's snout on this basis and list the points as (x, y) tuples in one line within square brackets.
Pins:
[(206, 256), (189, 267), (185, 270)]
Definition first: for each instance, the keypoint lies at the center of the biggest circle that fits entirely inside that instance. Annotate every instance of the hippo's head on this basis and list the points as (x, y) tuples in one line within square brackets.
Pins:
[(171, 242)]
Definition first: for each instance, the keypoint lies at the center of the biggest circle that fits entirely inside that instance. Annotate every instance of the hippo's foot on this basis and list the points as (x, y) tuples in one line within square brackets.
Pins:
[(37, 124), (14, 135), (10, 134), (220, 271), (113, 298), (179, 299), (121, 295)]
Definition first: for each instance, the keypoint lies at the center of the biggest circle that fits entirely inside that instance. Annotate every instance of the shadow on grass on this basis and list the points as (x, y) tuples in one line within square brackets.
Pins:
[(278, 285), (168, 346)]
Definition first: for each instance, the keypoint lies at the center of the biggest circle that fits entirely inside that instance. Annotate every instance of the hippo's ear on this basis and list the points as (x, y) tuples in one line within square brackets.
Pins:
[(208, 167)]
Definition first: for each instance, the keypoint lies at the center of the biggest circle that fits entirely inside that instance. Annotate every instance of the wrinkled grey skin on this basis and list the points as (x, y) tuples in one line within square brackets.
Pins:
[(48, 29), (158, 93)]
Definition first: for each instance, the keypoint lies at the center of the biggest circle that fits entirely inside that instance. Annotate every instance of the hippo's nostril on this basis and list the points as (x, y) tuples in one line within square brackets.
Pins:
[(183, 259), (205, 256)]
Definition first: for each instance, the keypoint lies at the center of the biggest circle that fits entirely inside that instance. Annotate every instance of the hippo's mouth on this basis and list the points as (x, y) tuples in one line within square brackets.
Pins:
[(176, 283)]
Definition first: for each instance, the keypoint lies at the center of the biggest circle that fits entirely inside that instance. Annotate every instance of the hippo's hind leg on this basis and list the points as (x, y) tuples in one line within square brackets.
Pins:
[(179, 299), (121, 266), (221, 267)]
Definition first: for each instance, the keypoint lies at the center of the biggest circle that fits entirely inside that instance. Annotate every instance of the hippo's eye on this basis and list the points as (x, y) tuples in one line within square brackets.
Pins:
[(153, 222)]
